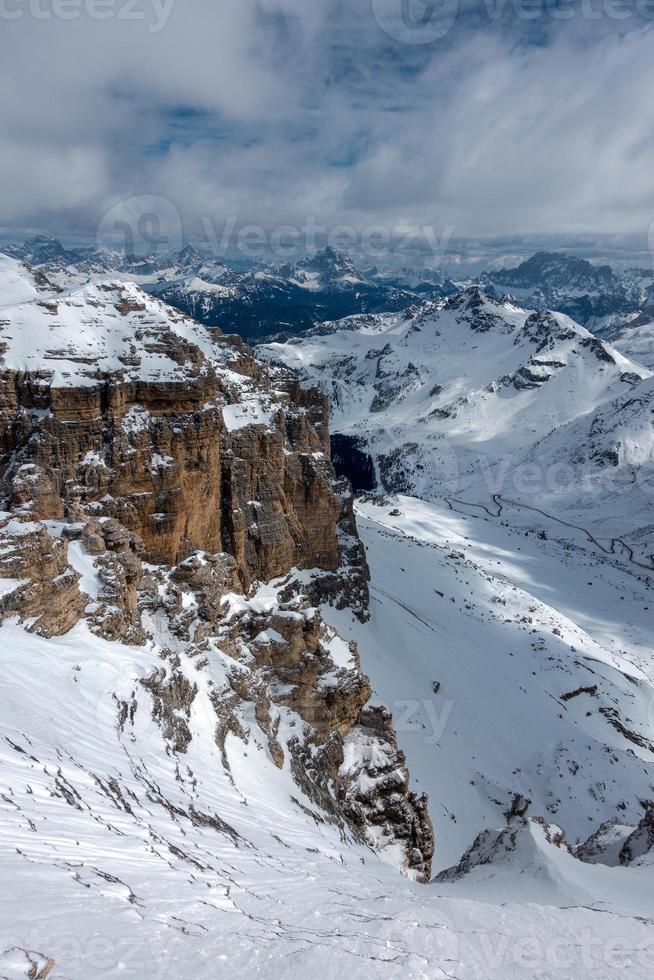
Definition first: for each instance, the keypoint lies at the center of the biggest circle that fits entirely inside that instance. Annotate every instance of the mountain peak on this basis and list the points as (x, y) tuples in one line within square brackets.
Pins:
[(472, 298), (332, 263), (189, 256), (554, 269), (37, 250)]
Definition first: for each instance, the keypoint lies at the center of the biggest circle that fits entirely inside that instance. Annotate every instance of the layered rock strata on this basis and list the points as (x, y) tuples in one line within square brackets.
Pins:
[(155, 476)]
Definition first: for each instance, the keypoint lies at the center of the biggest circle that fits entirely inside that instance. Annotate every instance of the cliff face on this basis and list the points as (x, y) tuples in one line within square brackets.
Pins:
[(154, 475), (152, 428)]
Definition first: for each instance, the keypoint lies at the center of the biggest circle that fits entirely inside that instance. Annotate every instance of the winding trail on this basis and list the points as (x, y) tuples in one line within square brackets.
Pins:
[(613, 542)]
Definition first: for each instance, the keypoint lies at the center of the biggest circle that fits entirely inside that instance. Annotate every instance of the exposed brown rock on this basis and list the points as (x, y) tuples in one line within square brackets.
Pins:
[(158, 458), (185, 493), (42, 587)]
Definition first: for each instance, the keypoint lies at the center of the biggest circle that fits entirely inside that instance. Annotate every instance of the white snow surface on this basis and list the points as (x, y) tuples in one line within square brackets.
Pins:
[(473, 397), (126, 859), (18, 283), (79, 336), (636, 341)]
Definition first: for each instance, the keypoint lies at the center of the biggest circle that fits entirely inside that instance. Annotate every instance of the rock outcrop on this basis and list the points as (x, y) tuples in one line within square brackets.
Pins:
[(148, 423), (165, 487), (36, 580)]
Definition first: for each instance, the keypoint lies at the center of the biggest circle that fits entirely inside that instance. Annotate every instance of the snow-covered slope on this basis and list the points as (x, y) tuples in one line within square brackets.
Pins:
[(514, 667), (636, 340), (19, 283), (458, 398), (601, 476), (533, 860), (191, 781), (139, 857)]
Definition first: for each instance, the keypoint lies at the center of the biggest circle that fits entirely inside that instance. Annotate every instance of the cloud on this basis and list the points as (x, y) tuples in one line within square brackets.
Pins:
[(276, 110)]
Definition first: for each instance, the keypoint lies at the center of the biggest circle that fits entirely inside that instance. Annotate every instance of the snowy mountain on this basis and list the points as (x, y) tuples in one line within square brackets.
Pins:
[(526, 567), (593, 295), (517, 664), (636, 340), (283, 299), (220, 717), (38, 250), (20, 283), (257, 301), (472, 396)]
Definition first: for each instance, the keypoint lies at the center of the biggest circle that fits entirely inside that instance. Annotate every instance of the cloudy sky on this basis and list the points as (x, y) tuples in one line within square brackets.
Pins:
[(496, 117)]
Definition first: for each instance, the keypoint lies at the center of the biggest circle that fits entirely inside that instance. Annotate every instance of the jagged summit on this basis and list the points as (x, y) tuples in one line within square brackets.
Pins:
[(593, 295), (558, 270), (37, 250), (189, 257), (331, 263)]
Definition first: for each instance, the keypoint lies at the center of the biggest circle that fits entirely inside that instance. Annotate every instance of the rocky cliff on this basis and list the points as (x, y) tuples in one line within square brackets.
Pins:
[(166, 489)]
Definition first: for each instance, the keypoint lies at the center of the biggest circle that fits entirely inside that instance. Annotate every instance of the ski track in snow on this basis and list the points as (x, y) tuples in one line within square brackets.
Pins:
[(500, 503)]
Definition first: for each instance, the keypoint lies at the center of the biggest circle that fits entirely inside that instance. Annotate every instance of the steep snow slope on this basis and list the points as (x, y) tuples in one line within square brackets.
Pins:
[(514, 666), (460, 399), (130, 859), (601, 475), (532, 859), (636, 340), (19, 284)]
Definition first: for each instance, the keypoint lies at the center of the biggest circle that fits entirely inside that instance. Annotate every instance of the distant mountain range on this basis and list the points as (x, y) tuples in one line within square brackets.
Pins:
[(262, 301), (257, 302), (593, 295)]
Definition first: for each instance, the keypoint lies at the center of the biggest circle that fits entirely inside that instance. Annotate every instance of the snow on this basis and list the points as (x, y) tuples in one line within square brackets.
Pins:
[(472, 397), (83, 563), (10, 585), (114, 327), (505, 625), (106, 830), (637, 342), (18, 283), (514, 649), (251, 411), (197, 285), (136, 419), (525, 861)]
